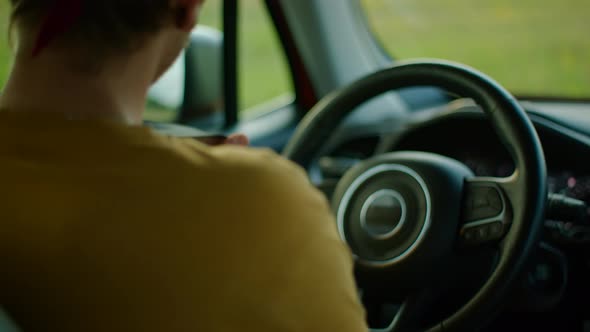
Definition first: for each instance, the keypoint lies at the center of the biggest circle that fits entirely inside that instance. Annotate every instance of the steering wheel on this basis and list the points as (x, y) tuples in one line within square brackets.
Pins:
[(409, 217)]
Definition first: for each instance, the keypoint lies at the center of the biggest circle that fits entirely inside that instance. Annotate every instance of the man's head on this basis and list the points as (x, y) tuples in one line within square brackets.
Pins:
[(103, 28)]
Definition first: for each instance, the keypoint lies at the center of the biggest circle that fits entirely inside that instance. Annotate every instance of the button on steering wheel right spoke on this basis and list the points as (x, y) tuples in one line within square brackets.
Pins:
[(486, 210)]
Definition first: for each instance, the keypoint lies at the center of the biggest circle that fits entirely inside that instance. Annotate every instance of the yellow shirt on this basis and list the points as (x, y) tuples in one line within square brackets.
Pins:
[(106, 227)]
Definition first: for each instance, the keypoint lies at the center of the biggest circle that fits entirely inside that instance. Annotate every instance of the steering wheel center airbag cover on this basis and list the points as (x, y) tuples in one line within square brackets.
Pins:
[(384, 213), (404, 187)]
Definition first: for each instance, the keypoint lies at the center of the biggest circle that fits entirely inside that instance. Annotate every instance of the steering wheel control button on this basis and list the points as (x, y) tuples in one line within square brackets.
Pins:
[(469, 235), (481, 203), (496, 230), (478, 234), (383, 214), (485, 213), (483, 233)]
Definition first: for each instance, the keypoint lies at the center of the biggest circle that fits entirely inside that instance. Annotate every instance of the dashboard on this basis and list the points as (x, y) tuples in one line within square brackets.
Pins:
[(471, 140), (466, 135)]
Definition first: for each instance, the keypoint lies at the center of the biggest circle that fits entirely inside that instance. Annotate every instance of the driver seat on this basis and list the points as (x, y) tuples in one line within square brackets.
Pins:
[(6, 324)]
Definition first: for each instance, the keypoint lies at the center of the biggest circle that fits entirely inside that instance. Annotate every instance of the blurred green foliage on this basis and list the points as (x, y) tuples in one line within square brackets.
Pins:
[(531, 47), (5, 54)]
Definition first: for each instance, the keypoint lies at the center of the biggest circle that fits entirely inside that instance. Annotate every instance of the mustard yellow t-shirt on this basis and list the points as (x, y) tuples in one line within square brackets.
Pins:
[(107, 227)]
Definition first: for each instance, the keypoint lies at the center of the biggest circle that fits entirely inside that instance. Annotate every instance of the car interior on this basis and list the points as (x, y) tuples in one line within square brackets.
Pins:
[(452, 139)]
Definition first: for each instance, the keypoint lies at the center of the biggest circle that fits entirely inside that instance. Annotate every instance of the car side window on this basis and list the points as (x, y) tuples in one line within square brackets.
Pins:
[(263, 68), (177, 96), (263, 72), (5, 54)]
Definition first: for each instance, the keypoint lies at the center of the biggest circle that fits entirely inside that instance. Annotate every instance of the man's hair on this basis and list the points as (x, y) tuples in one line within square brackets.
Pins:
[(101, 25)]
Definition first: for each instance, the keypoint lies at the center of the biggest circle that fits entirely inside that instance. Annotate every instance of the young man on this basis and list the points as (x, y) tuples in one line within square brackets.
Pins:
[(108, 226)]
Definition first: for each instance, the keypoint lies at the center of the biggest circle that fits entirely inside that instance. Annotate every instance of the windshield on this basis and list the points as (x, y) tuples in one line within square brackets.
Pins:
[(532, 47)]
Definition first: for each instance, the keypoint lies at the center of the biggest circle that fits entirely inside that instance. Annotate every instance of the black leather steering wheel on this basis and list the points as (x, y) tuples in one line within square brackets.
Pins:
[(408, 216)]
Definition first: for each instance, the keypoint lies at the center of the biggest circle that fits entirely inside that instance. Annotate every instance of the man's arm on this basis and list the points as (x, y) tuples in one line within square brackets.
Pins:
[(301, 273)]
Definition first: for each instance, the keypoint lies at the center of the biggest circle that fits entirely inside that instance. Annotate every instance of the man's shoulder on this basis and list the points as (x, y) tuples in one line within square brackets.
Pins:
[(259, 168), (253, 184)]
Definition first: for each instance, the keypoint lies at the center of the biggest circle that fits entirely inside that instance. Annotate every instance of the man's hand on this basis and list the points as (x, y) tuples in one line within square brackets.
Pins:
[(237, 139), (234, 139)]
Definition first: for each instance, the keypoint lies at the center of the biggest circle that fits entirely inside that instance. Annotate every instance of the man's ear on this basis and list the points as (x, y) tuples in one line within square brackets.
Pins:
[(186, 13)]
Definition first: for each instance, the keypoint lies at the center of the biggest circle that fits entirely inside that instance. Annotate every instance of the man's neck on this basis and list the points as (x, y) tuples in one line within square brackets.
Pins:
[(50, 82)]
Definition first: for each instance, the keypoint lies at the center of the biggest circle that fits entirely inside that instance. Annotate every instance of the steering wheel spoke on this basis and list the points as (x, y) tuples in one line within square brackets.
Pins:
[(410, 312), (486, 210)]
